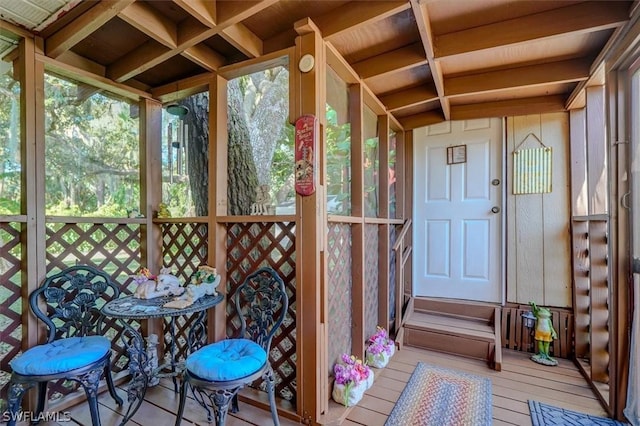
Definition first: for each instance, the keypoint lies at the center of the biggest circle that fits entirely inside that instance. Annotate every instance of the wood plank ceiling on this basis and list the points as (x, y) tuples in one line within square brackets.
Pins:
[(426, 61)]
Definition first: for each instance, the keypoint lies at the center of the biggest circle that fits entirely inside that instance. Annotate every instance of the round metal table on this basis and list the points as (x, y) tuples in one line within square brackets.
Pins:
[(144, 370)]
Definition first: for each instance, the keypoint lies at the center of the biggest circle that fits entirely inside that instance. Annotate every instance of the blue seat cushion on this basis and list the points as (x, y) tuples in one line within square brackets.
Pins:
[(229, 359), (61, 355)]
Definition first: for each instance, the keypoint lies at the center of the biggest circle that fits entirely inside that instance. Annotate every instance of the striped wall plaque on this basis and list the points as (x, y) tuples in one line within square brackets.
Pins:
[(532, 170)]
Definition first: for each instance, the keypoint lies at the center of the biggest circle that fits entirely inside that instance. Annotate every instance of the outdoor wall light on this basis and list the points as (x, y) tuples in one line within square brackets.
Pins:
[(177, 110)]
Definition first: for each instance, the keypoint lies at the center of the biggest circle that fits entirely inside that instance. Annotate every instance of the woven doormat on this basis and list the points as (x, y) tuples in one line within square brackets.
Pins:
[(440, 396), (548, 415)]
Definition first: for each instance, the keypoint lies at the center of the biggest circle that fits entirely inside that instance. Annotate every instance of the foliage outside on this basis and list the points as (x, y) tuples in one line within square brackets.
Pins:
[(91, 151), (10, 166)]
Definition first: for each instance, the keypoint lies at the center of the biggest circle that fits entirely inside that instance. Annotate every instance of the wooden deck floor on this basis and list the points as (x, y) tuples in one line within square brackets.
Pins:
[(519, 381)]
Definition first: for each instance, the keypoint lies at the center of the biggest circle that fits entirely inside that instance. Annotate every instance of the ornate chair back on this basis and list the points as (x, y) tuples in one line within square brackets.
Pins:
[(261, 302), (69, 303), (216, 372), (72, 301)]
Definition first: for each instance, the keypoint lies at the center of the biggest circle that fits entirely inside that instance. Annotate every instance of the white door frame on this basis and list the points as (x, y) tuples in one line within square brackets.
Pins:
[(503, 218)]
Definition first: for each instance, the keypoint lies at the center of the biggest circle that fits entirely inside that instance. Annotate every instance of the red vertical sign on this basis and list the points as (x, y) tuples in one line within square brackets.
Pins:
[(306, 136)]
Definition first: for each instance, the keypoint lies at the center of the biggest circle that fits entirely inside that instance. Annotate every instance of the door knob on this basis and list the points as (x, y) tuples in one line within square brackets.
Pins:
[(495, 209)]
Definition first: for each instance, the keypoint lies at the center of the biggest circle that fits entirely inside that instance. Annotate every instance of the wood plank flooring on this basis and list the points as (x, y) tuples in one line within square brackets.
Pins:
[(519, 381)]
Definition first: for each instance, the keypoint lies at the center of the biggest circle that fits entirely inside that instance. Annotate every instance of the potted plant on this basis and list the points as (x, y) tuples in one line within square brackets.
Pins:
[(381, 348), (352, 379)]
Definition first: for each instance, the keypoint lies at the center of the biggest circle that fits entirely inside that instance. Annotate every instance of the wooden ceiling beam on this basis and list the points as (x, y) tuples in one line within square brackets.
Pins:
[(83, 63), (71, 34), (574, 19), (232, 12), (152, 23), (509, 108), (240, 37), (355, 14), (513, 78), (140, 59), (204, 56), (181, 88), (203, 10), (100, 82), (422, 119), (394, 61), (190, 33), (409, 97), (424, 27)]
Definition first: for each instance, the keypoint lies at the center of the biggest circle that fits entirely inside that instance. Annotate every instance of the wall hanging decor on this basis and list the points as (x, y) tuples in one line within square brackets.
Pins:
[(532, 168)]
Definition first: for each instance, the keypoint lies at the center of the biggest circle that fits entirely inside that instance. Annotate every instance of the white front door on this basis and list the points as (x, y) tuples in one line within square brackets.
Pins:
[(458, 210)]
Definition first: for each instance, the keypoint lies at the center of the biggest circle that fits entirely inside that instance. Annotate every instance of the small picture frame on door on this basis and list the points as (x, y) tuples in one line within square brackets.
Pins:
[(457, 154)]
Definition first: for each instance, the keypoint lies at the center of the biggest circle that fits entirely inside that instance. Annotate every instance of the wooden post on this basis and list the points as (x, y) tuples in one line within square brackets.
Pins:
[(405, 201), (383, 230), (620, 241), (217, 255), (33, 235), (313, 383), (150, 196), (356, 107)]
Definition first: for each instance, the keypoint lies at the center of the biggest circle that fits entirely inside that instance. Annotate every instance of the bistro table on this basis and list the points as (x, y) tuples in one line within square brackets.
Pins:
[(142, 368)]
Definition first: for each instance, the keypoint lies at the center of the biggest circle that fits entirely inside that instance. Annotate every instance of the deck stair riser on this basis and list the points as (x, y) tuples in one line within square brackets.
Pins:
[(456, 327)]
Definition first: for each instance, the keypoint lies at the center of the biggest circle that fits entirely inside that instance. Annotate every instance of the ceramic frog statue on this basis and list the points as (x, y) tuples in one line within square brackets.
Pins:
[(544, 335)]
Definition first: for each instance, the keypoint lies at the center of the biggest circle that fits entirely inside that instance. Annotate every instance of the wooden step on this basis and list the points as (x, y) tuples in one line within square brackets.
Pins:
[(461, 328)]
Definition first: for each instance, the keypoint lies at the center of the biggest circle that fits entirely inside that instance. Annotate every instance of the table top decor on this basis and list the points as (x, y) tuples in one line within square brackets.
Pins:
[(202, 283), (132, 308), (151, 286)]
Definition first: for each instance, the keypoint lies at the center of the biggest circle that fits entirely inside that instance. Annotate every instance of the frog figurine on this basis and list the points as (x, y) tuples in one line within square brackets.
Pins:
[(544, 335)]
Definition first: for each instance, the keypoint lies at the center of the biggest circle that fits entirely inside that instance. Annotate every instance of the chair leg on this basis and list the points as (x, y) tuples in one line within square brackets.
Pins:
[(271, 391), (183, 399), (234, 404), (110, 385), (221, 401), (42, 397), (14, 399), (89, 382)]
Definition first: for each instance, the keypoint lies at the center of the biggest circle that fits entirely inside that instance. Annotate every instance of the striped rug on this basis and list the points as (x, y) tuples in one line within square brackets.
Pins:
[(440, 396)]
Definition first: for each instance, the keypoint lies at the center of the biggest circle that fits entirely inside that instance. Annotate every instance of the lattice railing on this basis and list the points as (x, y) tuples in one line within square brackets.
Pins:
[(184, 248), (249, 247), (10, 300), (371, 260), (111, 247), (339, 291)]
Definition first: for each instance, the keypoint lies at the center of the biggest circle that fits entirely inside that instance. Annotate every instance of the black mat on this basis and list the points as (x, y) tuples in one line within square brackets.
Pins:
[(548, 415)]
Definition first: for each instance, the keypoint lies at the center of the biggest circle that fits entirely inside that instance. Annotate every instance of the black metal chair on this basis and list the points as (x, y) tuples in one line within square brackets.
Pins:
[(74, 349), (219, 370)]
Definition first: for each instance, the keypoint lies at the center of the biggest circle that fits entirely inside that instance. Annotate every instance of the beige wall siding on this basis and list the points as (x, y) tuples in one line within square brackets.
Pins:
[(538, 239)]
